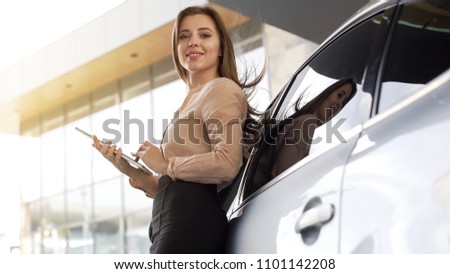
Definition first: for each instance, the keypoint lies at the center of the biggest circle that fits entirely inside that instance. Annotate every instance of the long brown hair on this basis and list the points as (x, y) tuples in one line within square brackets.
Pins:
[(312, 106), (308, 108), (227, 61)]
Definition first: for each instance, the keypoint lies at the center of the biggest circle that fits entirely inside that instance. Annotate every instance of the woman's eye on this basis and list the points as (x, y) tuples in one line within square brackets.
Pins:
[(183, 36), (205, 35)]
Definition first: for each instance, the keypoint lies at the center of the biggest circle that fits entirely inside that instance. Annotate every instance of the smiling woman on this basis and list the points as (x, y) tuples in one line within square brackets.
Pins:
[(198, 48), (202, 150)]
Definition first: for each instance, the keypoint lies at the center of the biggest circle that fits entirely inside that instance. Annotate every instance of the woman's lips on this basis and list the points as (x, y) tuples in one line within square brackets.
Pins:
[(194, 54)]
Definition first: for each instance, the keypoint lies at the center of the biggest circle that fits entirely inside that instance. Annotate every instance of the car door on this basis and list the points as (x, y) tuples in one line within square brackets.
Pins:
[(299, 209), (396, 190)]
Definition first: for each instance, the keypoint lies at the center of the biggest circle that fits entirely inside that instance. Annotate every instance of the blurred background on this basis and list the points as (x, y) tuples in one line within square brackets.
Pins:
[(107, 63)]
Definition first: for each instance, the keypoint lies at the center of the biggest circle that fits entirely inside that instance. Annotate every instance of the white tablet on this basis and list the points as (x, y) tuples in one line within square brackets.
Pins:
[(130, 160)]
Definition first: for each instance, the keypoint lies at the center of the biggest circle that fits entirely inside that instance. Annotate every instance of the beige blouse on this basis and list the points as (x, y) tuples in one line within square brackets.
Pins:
[(204, 144)]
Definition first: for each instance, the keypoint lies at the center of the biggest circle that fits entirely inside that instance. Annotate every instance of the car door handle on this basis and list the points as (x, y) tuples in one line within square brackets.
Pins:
[(314, 217)]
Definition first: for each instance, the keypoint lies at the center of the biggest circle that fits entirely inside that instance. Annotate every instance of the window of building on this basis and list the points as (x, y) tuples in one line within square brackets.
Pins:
[(107, 237), (79, 205), (53, 238), (53, 158), (108, 198), (105, 124), (166, 101), (80, 240), (136, 232)]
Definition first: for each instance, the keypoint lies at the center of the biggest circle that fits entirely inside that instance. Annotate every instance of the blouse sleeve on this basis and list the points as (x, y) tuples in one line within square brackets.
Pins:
[(223, 111)]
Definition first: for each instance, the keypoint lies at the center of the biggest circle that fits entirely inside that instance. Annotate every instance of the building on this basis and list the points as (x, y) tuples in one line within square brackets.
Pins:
[(116, 73)]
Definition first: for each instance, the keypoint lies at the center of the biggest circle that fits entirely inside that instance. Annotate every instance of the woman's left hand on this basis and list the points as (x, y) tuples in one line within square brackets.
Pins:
[(147, 183), (152, 157)]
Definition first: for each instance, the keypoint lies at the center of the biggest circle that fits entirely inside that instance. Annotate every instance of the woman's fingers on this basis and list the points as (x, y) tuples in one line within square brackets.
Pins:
[(104, 148), (113, 154), (96, 143), (139, 154), (142, 150), (132, 182), (118, 155), (110, 151)]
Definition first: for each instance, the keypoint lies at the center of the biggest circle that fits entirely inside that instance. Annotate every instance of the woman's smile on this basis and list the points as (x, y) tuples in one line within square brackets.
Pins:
[(193, 55)]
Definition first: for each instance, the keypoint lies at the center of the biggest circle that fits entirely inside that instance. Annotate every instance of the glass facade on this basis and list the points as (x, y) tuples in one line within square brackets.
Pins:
[(78, 202)]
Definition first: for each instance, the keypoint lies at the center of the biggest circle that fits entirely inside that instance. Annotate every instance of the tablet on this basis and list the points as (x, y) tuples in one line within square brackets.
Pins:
[(127, 158)]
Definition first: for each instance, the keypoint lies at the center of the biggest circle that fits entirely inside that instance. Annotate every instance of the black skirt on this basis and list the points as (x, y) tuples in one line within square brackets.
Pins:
[(187, 219)]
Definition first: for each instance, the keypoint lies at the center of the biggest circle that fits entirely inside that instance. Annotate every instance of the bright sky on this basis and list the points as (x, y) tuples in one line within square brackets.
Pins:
[(27, 26)]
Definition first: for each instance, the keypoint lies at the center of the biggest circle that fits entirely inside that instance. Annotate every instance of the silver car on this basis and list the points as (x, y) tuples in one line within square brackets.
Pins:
[(376, 178)]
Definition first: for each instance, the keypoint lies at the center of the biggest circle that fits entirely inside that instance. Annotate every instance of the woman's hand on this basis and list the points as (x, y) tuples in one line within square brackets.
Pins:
[(152, 157), (138, 179), (108, 151), (147, 183)]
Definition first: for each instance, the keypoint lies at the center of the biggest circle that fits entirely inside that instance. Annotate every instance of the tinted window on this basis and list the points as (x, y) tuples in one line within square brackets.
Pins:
[(419, 52), (295, 130)]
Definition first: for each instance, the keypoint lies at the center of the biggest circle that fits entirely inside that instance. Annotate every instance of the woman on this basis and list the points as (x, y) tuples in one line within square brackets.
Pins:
[(202, 149), (293, 135)]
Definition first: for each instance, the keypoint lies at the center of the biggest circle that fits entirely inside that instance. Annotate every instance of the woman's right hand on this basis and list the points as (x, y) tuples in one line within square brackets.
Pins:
[(138, 179), (108, 150)]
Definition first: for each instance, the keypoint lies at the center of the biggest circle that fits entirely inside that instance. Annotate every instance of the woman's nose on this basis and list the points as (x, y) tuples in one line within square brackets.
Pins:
[(192, 43)]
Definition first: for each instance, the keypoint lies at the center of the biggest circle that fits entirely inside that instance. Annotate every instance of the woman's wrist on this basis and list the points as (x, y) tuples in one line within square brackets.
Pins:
[(145, 182), (164, 166), (134, 173)]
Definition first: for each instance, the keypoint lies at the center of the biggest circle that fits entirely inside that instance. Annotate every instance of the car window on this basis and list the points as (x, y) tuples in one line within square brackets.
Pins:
[(327, 98), (420, 51)]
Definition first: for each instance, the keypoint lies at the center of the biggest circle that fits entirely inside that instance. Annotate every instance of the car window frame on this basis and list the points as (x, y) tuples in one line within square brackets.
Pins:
[(241, 198), (385, 57)]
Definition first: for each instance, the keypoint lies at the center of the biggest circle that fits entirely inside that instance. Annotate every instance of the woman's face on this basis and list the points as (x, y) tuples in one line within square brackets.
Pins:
[(198, 45), (334, 102)]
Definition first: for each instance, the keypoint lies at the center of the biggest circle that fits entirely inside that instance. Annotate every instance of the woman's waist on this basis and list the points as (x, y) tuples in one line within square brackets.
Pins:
[(166, 181)]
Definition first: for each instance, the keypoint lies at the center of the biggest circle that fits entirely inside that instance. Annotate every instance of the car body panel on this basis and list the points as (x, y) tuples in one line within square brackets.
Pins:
[(414, 183)]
